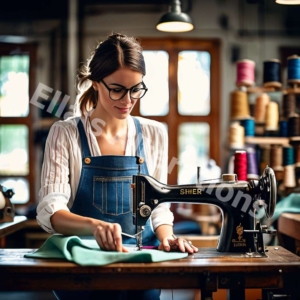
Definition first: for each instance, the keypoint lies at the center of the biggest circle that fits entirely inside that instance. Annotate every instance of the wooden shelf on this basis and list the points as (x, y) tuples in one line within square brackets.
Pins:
[(267, 140)]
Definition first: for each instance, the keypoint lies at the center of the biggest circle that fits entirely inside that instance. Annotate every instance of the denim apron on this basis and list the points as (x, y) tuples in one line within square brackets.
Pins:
[(104, 193), (104, 190)]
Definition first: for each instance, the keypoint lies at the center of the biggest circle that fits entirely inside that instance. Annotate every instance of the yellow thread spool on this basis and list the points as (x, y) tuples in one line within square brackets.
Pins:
[(272, 116), (261, 104), (236, 136), (239, 105)]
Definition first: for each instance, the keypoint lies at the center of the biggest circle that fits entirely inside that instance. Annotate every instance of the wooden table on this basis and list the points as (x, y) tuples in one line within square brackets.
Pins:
[(207, 270), (11, 227)]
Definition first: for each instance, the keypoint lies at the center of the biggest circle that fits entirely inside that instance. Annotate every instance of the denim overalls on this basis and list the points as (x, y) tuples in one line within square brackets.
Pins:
[(104, 190), (104, 193)]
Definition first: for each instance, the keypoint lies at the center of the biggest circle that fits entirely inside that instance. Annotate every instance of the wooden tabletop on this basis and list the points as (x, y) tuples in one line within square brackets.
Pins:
[(206, 269), (11, 227)]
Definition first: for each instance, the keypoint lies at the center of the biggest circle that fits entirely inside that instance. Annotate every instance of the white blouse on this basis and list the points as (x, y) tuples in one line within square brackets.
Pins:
[(62, 165)]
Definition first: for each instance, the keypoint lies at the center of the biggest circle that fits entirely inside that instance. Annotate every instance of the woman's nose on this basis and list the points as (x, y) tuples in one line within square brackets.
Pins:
[(126, 98)]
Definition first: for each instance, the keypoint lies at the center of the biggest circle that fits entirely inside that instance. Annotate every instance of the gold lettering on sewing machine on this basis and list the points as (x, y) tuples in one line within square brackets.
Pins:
[(190, 191), (239, 242)]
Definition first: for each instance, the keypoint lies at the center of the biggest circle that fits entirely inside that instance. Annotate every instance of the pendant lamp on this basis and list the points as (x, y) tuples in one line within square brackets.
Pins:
[(175, 20), (288, 2)]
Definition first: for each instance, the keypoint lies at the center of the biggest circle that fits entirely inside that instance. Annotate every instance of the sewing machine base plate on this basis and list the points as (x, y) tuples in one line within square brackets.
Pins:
[(208, 253)]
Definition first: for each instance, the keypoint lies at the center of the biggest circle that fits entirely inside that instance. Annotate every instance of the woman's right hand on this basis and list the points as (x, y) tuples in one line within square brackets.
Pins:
[(108, 236)]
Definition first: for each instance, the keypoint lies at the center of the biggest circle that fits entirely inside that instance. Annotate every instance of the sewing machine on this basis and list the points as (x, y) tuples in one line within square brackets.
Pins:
[(7, 211), (238, 201)]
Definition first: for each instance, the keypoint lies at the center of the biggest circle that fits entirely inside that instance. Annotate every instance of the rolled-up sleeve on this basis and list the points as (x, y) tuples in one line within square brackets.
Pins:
[(55, 189), (156, 148)]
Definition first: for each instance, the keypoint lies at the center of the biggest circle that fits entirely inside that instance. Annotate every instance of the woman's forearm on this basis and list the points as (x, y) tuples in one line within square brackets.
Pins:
[(67, 223), (163, 231)]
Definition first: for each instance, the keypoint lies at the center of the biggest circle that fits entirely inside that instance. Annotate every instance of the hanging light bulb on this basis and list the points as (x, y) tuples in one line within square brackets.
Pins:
[(175, 20), (288, 2)]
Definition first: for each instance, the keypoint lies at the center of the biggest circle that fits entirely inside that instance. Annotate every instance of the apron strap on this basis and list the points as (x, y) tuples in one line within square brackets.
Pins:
[(140, 145), (84, 142)]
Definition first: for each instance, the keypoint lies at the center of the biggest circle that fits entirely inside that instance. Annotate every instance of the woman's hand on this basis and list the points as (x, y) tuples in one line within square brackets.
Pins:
[(172, 243), (108, 236)]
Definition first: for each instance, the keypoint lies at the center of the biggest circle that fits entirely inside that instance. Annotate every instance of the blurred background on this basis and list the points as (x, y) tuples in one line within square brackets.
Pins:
[(189, 74)]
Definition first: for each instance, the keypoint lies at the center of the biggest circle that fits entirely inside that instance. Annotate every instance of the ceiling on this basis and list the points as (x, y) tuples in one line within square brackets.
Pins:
[(58, 9)]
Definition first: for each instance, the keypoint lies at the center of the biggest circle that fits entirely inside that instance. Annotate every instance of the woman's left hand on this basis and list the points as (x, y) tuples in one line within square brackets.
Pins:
[(174, 244)]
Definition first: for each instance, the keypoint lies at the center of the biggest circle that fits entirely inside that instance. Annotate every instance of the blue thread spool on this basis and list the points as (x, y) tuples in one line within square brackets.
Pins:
[(293, 69), (249, 126), (272, 73), (283, 128), (288, 156)]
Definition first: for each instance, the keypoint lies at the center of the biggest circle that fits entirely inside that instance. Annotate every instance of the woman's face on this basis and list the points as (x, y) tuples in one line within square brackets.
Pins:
[(117, 81)]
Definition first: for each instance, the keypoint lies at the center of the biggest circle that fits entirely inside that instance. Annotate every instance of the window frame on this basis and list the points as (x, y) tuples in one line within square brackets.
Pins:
[(173, 119), (30, 49)]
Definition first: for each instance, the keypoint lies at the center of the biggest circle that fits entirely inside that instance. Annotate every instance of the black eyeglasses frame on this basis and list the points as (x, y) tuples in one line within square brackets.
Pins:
[(125, 90)]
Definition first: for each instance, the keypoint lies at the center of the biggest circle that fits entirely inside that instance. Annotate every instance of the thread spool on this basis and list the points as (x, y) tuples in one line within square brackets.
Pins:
[(288, 156), (245, 73), (272, 116), (276, 154), (252, 165), (236, 136), (288, 104), (297, 156), (279, 171), (261, 104), (283, 128), (293, 125), (293, 69), (239, 105), (265, 154), (249, 126), (272, 73), (240, 165), (289, 178)]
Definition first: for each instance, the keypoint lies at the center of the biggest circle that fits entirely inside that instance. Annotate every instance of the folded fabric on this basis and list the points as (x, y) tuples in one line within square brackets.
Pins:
[(87, 252), (289, 204)]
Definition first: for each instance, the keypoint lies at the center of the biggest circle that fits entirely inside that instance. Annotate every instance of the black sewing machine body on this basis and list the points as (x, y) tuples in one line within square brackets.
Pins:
[(7, 210), (237, 200)]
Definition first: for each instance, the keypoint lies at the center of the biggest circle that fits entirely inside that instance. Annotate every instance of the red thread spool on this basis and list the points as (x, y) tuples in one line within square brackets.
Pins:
[(245, 73), (240, 165)]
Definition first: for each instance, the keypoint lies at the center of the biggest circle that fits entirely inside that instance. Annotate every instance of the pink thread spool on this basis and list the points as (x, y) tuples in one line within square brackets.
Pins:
[(245, 73), (240, 164)]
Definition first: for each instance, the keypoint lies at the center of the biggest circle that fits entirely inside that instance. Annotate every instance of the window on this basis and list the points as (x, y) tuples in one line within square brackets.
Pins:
[(183, 78), (16, 146)]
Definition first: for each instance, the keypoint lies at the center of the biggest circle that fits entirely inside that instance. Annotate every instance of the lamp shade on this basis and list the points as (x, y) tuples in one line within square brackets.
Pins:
[(175, 20), (288, 2)]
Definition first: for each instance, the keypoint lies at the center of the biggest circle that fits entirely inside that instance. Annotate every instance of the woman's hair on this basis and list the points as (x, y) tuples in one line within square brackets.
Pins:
[(115, 52)]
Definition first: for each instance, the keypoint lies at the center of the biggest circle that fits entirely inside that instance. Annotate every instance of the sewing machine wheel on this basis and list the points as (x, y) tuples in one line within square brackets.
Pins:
[(268, 189)]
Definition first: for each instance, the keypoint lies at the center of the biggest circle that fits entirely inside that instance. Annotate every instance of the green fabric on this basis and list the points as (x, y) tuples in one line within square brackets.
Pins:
[(289, 204), (87, 252)]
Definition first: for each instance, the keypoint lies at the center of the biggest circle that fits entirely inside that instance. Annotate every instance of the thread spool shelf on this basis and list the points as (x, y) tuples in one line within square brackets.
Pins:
[(267, 140), (265, 122), (293, 90)]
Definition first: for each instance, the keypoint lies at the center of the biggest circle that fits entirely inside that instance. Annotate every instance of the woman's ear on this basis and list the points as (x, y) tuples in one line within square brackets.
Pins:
[(94, 84)]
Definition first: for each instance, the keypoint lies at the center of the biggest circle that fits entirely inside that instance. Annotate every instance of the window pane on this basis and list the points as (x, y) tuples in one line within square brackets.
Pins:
[(14, 86), (193, 146), (14, 150), (194, 83), (20, 187), (156, 101)]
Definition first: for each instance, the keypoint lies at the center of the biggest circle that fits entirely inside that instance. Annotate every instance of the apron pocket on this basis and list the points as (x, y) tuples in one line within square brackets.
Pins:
[(112, 195)]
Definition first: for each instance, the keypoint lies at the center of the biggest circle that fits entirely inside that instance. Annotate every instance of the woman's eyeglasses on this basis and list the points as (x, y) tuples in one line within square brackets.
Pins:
[(136, 92)]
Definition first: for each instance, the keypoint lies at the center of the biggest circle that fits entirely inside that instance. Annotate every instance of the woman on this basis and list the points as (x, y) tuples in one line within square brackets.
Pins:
[(90, 159)]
